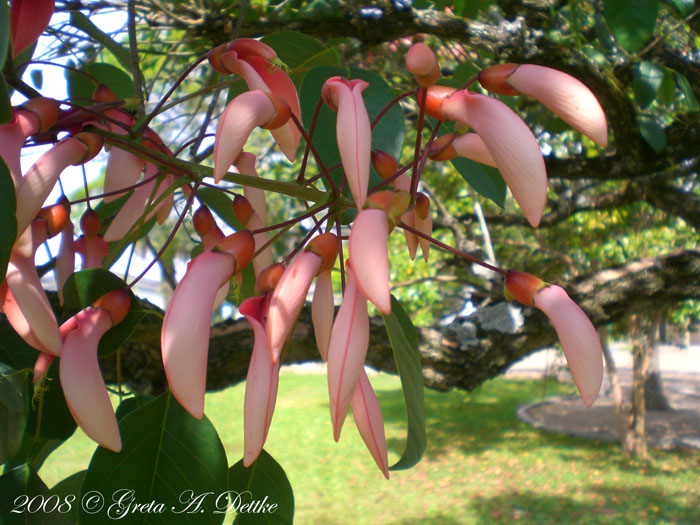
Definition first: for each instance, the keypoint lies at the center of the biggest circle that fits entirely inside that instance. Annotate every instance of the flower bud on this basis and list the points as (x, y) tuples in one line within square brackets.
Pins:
[(55, 217), (117, 303), (394, 203), (90, 223), (93, 143), (203, 220), (242, 209), (421, 61), (326, 246), (103, 94), (433, 101), (495, 78), (522, 286), (268, 278), (241, 245), (442, 148), (384, 164), (45, 108)]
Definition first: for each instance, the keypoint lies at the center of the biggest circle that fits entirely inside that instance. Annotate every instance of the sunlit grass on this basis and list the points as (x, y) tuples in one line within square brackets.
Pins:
[(482, 464)]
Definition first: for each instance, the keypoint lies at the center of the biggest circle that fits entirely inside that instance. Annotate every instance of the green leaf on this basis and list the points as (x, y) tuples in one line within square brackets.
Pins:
[(300, 53), (684, 6), (648, 78), (4, 32), (56, 420), (484, 179), (631, 21), (388, 135), (653, 133), (263, 483), (82, 22), (168, 457), (68, 490), (404, 342), (5, 103), (33, 451), (82, 86), (687, 90), (83, 288), (667, 92), (14, 408), (8, 220), (218, 202), (25, 499)]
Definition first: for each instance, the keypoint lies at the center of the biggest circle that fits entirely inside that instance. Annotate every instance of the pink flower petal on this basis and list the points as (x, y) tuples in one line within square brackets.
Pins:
[(566, 96), (368, 247), (353, 133), (12, 137), (322, 310), (288, 298), (264, 258), (65, 261), (23, 282), (471, 146), (92, 250), (28, 19), (17, 320), (370, 423), (347, 351), (123, 170), (41, 365), (81, 379), (244, 113), (578, 338), (186, 326), (245, 164), (409, 218), (37, 184), (511, 143), (261, 384)]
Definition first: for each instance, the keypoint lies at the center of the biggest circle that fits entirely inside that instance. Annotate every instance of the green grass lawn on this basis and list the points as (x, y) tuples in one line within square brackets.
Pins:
[(482, 465)]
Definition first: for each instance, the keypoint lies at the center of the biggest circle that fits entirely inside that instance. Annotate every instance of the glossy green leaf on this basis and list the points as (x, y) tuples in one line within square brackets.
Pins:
[(33, 451), (684, 6), (388, 135), (404, 342), (5, 103), (300, 53), (632, 22), (667, 91), (263, 485), (14, 408), (82, 22), (168, 457), (8, 220), (56, 420), (687, 90), (484, 179), (647, 81), (83, 288), (4, 32), (81, 86), (25, 499), (68, 490), (653, 133)]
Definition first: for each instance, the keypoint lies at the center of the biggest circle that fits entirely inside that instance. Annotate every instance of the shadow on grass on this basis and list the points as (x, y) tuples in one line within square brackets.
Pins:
[(472, 421), (612, 504)]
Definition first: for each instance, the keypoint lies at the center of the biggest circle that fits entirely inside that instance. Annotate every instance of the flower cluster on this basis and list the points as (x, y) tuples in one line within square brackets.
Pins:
[(498, 137)]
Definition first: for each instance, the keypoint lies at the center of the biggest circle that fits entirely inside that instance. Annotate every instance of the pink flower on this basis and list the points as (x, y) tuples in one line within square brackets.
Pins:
[(565, 95), (79, 371), (186, 325), (347, 350), (369, 421), (576, 333), (28, 19), (511, 144), (261, 382), (245, 112), (259, 66), (353, 131), (421, 61), (322, 311), (467, 145)]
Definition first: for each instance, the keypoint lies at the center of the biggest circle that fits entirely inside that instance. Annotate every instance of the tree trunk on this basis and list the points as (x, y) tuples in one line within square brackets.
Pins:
[(622, 410), (654, 396), (636, 443)]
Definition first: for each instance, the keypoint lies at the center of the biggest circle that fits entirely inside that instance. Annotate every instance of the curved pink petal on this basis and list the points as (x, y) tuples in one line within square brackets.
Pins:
[(23, 282), (578, 338), (353, 133), (123, 170), (264, 258), (322, 310), (16, 318), (28, 19), (185, 334), (92, 250), (37, 184), (81, 379), (409, 218), (369, 421), (288, 298), (244, 113), (259, 73), (261, 383), (12, 137), (424, 226), (511, 143), (41, 365), (245, 164), (566, 96), (471, 146), (65, 261), (347, 351), (368, 247)]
